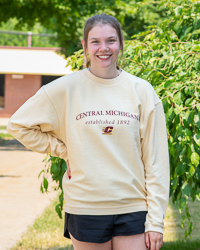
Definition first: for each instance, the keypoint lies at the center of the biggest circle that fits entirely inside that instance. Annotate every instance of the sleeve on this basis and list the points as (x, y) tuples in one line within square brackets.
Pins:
[(36, 125), (156, 163)]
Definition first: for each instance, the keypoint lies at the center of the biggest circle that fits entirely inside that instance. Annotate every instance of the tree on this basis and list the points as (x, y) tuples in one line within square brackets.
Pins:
[(168, 56), (66, 17), (21, 40)]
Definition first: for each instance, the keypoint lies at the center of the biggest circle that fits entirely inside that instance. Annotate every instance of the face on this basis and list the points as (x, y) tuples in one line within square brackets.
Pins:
[(103, 47)]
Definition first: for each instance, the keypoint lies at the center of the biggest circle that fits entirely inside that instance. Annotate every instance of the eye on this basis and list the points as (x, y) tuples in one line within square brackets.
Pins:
[(111, 40), (95, 41)]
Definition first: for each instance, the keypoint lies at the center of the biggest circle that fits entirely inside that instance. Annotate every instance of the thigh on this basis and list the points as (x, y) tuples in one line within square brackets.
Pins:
[(131, 242), (80, 245)]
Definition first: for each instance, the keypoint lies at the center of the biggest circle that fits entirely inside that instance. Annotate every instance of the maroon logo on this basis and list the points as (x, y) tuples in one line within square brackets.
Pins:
[(107, 130)]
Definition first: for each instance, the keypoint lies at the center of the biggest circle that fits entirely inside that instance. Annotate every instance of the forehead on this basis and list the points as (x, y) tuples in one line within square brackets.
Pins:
[(101, 31)]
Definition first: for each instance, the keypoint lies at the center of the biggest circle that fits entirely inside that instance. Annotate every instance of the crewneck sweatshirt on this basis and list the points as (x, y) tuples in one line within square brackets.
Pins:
[(112, 132)]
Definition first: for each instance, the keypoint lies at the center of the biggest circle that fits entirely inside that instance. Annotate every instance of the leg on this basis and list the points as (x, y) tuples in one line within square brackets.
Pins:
[(131, 242), (79, 245)]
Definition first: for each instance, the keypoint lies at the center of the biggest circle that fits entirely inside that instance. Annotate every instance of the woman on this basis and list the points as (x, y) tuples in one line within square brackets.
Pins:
[(110, 128)]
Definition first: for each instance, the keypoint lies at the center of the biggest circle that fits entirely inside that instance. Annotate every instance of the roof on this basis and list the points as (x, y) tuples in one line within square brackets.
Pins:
[(32, 61)]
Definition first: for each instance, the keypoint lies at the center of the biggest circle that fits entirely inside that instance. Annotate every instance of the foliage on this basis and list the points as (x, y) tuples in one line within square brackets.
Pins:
[(168, 56), (66, 18), (21, 40), (56, 167)]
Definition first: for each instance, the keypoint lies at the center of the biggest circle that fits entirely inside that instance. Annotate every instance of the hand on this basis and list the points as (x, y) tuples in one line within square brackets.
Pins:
[(68, 170), (153, 240)]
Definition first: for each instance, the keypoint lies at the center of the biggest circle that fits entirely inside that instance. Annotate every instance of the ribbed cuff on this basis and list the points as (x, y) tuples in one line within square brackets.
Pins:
[(153, 228)]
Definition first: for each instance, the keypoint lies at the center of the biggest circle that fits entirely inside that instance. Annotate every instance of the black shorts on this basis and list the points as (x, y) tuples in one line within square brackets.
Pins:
[(101, 228)]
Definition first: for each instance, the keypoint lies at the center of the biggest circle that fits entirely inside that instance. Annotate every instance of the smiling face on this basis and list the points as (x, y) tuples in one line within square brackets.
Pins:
[(103, 47)]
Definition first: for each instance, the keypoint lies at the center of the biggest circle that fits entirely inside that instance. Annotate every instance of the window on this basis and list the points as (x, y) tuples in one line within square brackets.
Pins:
[(48, 79), (2, 88)]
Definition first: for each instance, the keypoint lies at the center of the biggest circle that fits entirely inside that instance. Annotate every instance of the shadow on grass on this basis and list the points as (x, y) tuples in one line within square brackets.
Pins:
[(61, 248), (181, 245)]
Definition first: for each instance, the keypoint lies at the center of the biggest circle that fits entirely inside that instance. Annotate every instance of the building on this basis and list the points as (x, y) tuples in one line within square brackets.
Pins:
[(23, 71)]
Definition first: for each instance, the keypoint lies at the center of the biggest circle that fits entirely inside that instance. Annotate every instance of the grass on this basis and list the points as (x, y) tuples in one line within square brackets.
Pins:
[(2, 127), (174, 234), (47, 231), (5, 136)]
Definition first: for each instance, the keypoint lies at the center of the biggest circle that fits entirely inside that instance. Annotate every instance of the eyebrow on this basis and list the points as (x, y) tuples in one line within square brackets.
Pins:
[(107, 38)]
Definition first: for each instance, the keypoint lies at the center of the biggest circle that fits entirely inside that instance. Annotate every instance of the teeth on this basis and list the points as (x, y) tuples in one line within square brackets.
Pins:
[(103, 56)]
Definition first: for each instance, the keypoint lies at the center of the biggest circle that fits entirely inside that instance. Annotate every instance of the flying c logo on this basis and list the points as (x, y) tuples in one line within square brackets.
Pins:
[(107, 130)]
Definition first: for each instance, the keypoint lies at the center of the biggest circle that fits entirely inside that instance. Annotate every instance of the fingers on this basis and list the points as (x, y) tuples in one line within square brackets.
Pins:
[(68, 170), (147, 242), (155, 240)]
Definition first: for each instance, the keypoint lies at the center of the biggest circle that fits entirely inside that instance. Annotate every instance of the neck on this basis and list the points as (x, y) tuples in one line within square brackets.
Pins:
[(106, 73)]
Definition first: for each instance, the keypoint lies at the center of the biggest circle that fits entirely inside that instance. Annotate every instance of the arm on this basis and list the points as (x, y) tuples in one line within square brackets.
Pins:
[(36, 125), (156, 163)]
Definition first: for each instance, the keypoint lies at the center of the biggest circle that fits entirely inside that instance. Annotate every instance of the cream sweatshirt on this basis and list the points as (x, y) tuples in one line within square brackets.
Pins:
[(113, 133)]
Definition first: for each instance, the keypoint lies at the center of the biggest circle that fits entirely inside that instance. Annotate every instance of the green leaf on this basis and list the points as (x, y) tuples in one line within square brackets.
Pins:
[(54, 168), (197, 139), (187, 189), (198, 195), (197, 65), (41, 188), (178, 109), (186, 234), (187, 213), (182, 204), (197, 119), (183, 221), (190, 228), (178, 10), (178, 98), (169, 83), (174, 183), (58, 210), (41, 173), (45, 183), (195, 159), (189, 116), (80, 62), (188, 101), (191, 172), (197, 173), (180, 169)]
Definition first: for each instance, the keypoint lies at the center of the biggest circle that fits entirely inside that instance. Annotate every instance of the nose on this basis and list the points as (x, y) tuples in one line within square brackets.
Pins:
[(103, 47)]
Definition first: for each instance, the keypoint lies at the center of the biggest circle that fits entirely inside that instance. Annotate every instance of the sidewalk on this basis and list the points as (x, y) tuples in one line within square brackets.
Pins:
[(20, 199), (4, 121)]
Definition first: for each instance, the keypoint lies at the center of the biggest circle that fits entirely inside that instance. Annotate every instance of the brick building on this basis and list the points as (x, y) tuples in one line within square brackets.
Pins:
[(23, 71)]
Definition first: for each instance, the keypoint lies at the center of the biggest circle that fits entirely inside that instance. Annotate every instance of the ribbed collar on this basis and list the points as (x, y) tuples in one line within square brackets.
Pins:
[(106, 82)]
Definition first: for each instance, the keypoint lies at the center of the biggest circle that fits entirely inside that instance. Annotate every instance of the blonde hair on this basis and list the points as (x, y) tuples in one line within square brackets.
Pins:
[(104, 19)]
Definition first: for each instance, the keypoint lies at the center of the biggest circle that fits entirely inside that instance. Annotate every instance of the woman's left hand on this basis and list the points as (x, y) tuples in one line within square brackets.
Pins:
[(153, 240)]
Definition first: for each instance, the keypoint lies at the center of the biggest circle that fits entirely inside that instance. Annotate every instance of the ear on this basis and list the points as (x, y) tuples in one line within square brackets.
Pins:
[(122, 43), (83, 44)]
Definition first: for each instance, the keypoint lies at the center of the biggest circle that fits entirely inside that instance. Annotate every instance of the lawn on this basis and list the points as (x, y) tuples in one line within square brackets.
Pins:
[(47, 231), (2, 127)]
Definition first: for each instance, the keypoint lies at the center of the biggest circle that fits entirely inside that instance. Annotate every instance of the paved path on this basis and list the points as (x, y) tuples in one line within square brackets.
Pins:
[(20, 198)]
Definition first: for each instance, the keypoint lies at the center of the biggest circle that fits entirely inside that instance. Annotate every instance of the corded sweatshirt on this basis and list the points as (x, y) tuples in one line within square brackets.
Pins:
[(113, 133)]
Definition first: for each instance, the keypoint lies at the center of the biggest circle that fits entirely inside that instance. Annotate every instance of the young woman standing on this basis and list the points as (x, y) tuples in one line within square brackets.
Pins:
[(110, 128)]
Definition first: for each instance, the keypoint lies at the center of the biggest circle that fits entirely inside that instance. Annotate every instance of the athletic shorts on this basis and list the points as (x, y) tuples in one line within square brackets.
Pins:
[(101, 228)]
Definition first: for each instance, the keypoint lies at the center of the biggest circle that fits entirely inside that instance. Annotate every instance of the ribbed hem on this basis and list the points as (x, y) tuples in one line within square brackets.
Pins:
[(105, 211), (105, 82)]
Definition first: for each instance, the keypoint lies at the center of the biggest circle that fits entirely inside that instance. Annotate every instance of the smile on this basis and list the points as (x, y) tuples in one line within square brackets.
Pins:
[(104, 57)]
